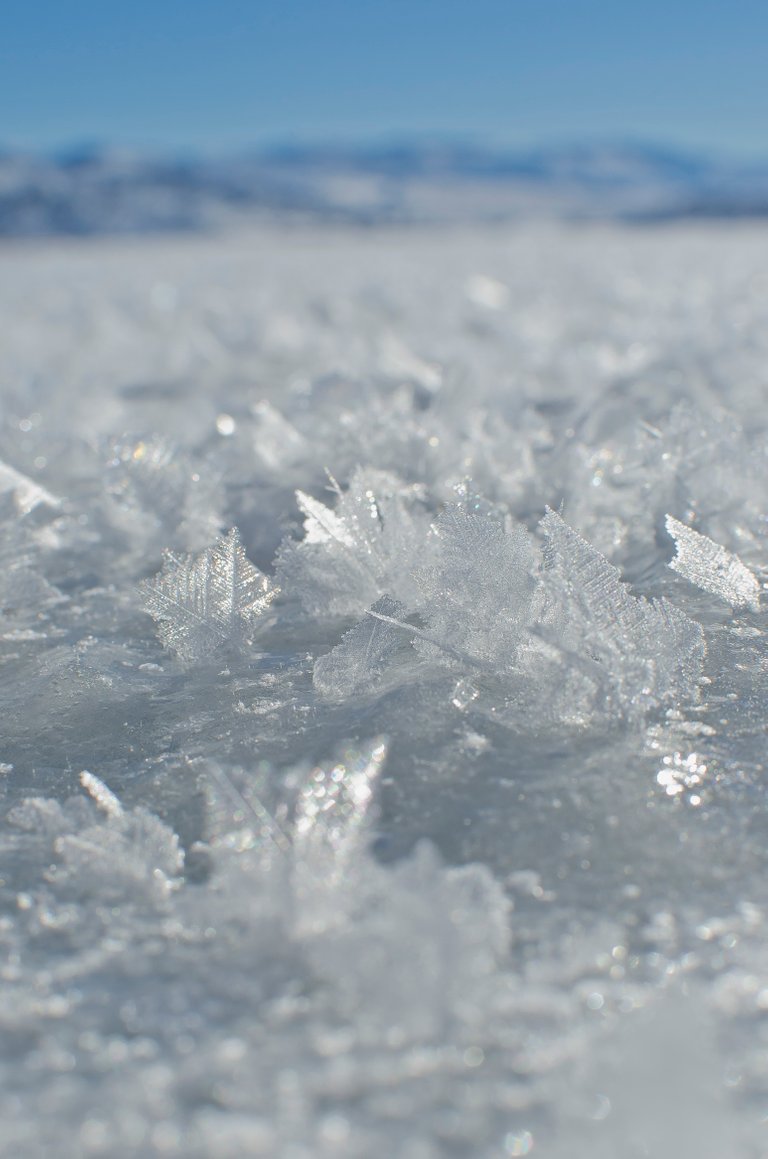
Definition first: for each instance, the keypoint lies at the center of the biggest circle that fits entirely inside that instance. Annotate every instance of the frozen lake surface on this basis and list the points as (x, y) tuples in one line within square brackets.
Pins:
[(371, 783)]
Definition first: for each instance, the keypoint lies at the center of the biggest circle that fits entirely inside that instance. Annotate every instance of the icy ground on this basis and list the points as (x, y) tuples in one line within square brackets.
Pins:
[(383, 680)]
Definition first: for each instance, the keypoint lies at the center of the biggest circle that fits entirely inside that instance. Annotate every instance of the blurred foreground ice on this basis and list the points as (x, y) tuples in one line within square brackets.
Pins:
[(427, 818)]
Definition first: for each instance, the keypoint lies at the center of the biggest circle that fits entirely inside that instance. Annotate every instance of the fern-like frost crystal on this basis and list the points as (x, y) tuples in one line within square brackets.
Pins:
[(712, 568), (638, 652), (204, 602), (356, 663), (364, 548)]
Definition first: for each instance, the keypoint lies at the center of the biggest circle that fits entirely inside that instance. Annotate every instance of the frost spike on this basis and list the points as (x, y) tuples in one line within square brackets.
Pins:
[(322, 524), (27, 494), (331, 833), (104, 797)]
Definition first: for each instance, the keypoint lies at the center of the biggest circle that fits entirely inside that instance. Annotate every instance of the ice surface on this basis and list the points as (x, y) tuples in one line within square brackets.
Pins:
[(453, 847)]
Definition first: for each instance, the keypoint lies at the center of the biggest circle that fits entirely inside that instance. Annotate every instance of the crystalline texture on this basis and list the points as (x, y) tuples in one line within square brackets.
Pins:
[(331, 833), (636, 652), (356, 663), (712, 568), (204, 602), (362, 549), (477, 596), (26, 493), (24, 592)]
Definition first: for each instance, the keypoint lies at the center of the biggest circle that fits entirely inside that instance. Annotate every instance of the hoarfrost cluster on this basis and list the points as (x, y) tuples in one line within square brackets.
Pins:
[(383, 689)]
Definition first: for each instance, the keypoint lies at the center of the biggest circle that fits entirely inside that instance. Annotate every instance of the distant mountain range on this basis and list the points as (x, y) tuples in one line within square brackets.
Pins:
[(96, 191)]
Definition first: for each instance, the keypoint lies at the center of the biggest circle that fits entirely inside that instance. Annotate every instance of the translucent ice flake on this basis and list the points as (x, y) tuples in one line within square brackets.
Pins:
[(26, 493), (24, 593), (354, 553), (216, 598), (355, 664), (319, 848), (277, 442), (566, 644), (712, 568), (477, 596), (321, 524), (155, 495), (634, 652), (237, 817), (331, 833)]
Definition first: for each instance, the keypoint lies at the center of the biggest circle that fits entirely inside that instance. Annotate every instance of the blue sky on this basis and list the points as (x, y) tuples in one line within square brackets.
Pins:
[(194, 74)]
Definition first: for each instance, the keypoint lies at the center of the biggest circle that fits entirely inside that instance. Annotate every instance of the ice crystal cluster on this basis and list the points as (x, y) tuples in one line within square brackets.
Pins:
[(384, 694)]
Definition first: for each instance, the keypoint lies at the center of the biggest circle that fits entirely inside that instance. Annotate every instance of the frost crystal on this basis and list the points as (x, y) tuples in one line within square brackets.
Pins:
[(712, 567), (331, 833), (634, 652), (24, 592), (477, 596), (356, 663), (323, 843), (238, 818), (202, 603), (362, 549), (104, 797), (26, 493), (154, 493)]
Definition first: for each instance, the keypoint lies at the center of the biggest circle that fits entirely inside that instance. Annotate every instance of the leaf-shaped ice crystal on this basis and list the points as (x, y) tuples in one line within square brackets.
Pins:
[(640, 652), (362, 549), (712, 568), (477, 595), (356, 663), (206, 601)]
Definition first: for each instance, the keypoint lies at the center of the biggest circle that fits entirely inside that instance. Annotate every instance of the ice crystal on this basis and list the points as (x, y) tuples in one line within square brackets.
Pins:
[(356, 663), (362, 549), (477, 596), (331, 832), (634, 652), (154, 492), (25, 594), (712, 568), (202, 603), (27, 494), (104, 797)]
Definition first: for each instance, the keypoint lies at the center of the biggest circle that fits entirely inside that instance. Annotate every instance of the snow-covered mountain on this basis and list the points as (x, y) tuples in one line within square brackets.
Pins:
[(94, 190)]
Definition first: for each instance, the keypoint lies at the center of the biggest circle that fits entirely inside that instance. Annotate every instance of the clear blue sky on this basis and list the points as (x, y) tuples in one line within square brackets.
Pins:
[(222, 75)]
